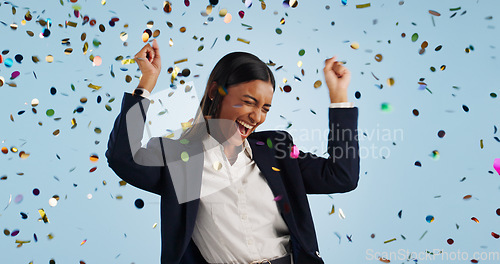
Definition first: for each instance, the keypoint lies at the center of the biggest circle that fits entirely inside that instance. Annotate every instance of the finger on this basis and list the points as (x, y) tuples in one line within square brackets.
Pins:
[(144, 51), (156, 48), (329, 63)]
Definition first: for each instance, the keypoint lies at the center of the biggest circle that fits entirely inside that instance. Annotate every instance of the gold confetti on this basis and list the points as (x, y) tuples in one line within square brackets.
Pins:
[(43, 216), (317, 84), (243, 40), (363, 5), (390, 81), (179, 61), (390, 240), (332, 211), (95, 87), (275, 169)]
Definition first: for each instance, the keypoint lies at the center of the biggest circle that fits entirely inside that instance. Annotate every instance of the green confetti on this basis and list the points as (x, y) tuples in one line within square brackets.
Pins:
[(184, 156), (278, 31), (50, 112), (269, 143), (386, 107), (414, 37), (302, 52)]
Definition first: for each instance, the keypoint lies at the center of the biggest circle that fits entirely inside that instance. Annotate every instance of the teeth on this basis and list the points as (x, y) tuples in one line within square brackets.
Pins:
[(244, 124)]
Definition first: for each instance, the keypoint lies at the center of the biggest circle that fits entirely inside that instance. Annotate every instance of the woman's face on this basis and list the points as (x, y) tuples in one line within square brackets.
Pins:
[(243, 109)]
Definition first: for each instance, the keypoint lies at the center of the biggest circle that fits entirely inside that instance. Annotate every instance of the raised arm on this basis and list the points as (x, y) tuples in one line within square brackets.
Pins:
[(340, 171), (141, 167)]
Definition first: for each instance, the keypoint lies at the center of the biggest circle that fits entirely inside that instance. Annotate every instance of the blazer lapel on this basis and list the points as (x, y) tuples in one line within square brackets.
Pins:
[(264, 157)]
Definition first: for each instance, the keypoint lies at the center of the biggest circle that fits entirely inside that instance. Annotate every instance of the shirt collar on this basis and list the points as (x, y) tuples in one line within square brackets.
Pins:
[(210, 142)]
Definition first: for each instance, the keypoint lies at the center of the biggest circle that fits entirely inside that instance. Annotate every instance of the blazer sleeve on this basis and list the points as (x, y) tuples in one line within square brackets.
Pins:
[(138, 166), (339, 172)]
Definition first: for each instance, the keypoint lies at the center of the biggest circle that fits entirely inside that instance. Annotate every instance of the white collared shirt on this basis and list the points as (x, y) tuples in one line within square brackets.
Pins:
[(239, 223)]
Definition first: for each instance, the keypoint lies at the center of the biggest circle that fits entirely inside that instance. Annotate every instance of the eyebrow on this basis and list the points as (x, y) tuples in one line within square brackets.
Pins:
[(253, 98)]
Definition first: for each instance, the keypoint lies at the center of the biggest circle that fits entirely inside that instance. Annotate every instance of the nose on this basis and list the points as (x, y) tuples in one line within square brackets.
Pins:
[(255, 116)]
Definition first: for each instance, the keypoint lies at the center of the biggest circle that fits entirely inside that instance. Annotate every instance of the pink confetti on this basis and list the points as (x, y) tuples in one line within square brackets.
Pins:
[(277, 198), (496, 165), (186, 2), (295, 152), (14, 75)]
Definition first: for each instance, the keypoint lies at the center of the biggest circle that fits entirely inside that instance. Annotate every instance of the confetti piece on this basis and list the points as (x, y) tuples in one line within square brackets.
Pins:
[(355, 45), (496, 165), (400, 213), (441, 133), (139, 203), (294, 152), (390, 240), (434, 13), (386, 107), (43, 216), (179, 61), (378, 57), (317, 84), (52, 201), (217, 165), (269, 143), (435, 155), (184, 156), (423, 235), (302, 52), (341, 214), (95, 87), (363, 5), (474, 219), (414, 37), (332, 211), (384, 260), (277, 198), (83, 242), (450, 241), (275, 169), (94, 158), (390, 81), (227, 18), (467, 197), (243, 40), (429, 219)]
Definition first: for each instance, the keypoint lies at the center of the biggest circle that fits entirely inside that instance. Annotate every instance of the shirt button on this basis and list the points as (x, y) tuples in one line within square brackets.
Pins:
[(244, 216), (241, 191), (250, 242)]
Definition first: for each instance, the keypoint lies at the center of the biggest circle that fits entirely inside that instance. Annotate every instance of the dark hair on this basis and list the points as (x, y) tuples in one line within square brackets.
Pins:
[(232, 69)]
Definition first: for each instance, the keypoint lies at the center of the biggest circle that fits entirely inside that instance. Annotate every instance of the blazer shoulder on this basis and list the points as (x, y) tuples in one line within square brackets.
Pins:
[(274, 135)]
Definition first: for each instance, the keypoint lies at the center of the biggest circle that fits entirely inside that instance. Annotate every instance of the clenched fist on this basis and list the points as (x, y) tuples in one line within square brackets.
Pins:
[(337, 79), (149, 61)]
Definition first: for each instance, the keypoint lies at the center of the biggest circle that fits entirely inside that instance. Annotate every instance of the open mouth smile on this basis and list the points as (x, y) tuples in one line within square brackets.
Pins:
[(244, 128)]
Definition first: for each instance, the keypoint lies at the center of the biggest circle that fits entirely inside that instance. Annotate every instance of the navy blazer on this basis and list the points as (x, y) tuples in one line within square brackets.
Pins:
[(292, 178)]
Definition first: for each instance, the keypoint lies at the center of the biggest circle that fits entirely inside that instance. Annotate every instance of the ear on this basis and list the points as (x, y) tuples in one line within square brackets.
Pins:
[(212, 90)]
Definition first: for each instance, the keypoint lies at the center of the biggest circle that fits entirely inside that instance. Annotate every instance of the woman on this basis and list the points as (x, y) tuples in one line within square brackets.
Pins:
[(234, 195)]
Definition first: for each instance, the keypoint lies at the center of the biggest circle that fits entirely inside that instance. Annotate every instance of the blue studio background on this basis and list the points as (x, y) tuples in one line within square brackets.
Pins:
[(424, 77)]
